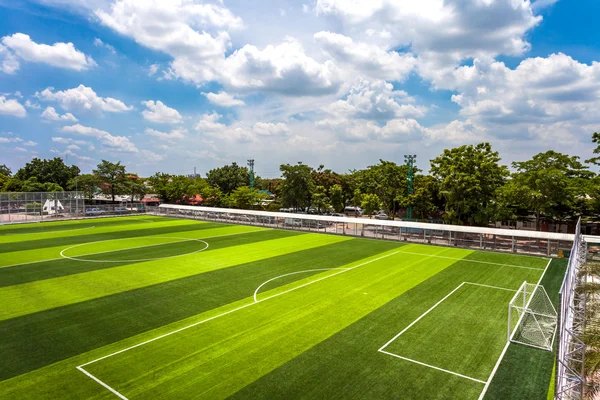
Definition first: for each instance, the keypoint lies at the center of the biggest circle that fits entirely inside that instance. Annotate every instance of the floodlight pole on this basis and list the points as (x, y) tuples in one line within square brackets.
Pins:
[(410, 160), (251, 165)]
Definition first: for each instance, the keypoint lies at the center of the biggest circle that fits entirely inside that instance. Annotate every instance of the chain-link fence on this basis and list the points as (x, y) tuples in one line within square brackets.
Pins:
[(18, 207)]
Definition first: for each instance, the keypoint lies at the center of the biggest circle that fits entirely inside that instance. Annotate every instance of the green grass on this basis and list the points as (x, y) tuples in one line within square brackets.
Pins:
[(315, 332)]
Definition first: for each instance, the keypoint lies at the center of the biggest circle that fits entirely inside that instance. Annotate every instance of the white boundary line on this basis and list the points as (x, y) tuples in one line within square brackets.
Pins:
[(381, 350), (487, 385), (139, 247), (80, 367), (469, 260), (291, 273), (433, 366), (133, 248)]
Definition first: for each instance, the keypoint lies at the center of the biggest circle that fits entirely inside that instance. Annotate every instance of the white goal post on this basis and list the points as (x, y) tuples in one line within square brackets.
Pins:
[(532, 317)]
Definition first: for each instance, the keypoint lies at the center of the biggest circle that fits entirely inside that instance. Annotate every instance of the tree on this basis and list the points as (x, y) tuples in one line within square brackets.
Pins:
[(13, 184), (159, 182), (4, 170), (387, 180), (212, 196), (243, 197), (3, 180), (469, 177), (134, 186), (87, 183), (320, 200), (595, 139), (112, 176), (513, 202), (336, 196), (555, 181), (297, 186), (357, 198), (54, 171), (371, 204), (229, 177), (425, 200)]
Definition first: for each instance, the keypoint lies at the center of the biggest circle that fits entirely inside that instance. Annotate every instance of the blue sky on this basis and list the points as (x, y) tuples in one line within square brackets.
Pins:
[(172, 85)]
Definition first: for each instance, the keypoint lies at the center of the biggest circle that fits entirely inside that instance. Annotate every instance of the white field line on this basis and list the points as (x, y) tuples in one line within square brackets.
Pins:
[(291, 273), (130, 248), (492, 287), (102, 383), (80, 367), (420, 317), (487, 384), (433, 366), (469, 260)]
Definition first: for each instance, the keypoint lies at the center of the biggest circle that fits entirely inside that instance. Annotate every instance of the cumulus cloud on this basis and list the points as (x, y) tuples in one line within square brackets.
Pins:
[(210, 123), (50, 114), (153, 69), (174, 134), (402, 130), (62, 55), (115, 143), (283, 68), (270, 129), (375, 100), (10, 140), (239, 132), (10, 63), (158, 112), (223, 99), (368, 59), (12, 107), (84, 99)]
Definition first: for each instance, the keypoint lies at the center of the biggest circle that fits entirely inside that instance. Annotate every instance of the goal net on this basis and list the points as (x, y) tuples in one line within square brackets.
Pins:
[(532, 317)]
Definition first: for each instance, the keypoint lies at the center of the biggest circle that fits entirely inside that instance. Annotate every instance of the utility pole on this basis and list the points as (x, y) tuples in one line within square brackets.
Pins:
[(410, 161), (251, 165), (195, 176)]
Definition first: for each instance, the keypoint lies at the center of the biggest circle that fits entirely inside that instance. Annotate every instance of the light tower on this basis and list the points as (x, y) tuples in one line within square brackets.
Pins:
[(251, 165), (410, 162)]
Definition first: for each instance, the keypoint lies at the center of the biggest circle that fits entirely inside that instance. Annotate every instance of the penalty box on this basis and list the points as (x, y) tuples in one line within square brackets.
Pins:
[(463, 334)]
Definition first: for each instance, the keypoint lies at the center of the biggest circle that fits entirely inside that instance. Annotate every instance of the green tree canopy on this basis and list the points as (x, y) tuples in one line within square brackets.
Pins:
[(112, 177), (387, 180), (4, 170), (320, 200), (336, 197), (371, 203), (297, 186), (469, 177), (229, 177), (86, 183), (244, 197), (44, 171), (551, 185)]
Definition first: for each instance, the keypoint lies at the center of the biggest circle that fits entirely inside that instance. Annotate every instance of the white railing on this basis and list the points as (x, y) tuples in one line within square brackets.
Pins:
[(571, 350)]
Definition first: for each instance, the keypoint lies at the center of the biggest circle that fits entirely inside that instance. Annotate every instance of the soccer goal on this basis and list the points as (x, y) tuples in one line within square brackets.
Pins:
[(532, 317)]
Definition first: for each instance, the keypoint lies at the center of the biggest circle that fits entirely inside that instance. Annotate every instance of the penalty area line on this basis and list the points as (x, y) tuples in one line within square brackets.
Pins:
[(80, 367), (433, 366)]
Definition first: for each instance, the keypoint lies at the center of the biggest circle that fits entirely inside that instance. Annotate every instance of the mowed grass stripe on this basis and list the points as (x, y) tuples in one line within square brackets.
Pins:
[(174, 247), (97, 228), (43, 295), (64, 332), (96, 234), (199, 231), (349, 366), (64, 227), (218, 358)]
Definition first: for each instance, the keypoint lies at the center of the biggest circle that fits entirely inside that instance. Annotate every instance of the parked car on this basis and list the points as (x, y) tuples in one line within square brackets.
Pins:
[(122, 211), (381, 216), (94, 211)]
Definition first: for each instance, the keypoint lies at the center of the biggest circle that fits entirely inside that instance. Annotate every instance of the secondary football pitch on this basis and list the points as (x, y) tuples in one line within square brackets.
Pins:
[(157, 308)]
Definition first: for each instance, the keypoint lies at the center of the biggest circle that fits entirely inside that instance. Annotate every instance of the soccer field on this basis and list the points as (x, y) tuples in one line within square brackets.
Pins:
[(155, 308)]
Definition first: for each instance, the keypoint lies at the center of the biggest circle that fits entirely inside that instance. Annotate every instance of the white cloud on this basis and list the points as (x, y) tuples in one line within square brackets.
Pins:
[(115, 143), (153, 69), (73, 147), (83, 98), (209, 123), (30, 143), (158, 112), (284, 68), (10, 140), (150, 156), (10, 63), (174, 134), (357, 130), (99, 43), (62, 55), (21, 149), (368, 59), (29, 104), (270, 129), (50, 114), (375, 100), (223, 99), (458, 132), (11, 107)]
